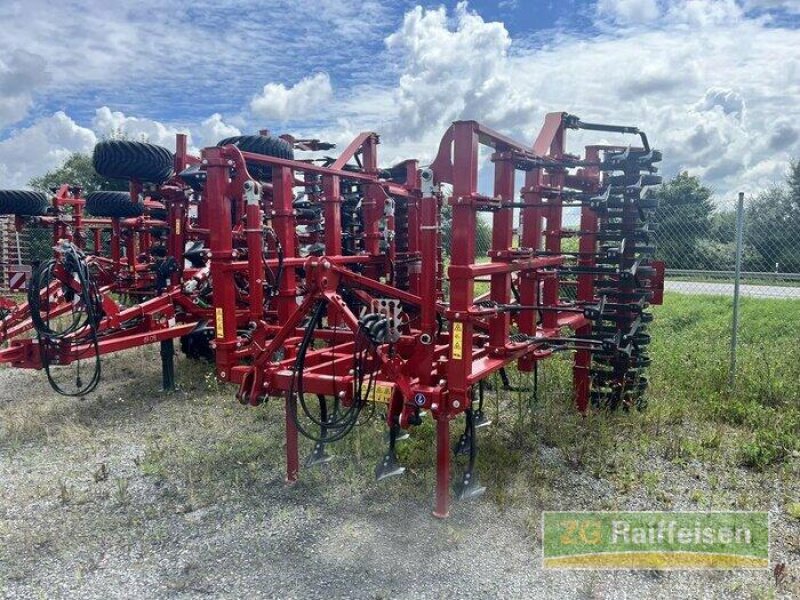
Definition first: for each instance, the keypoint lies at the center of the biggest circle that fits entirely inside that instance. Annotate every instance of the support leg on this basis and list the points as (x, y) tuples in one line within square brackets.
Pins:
[(506, 381), (535, 396), (292, 454), (168, 365), (581, 375), (442, 467)]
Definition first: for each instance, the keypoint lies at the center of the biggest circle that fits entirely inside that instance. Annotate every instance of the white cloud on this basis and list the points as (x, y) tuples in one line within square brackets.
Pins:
[(728, 101), (703, 13), (45, 144), (151, 56), (108, 123), (277, 102), (628, 11), (790, 6), (453, 68), (706, 98), (212, 130), (42, 146), (21, 73)]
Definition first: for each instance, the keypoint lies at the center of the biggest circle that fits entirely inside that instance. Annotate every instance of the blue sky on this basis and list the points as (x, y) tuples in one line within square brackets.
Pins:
[(716, 83)]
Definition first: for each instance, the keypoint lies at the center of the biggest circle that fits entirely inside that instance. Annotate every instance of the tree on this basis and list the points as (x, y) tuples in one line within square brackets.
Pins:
[(772, 226), (684, 217), (77, 170), (723, 227)]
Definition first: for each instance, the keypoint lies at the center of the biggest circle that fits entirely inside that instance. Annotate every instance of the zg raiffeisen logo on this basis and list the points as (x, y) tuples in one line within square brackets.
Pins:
[(655, 540)]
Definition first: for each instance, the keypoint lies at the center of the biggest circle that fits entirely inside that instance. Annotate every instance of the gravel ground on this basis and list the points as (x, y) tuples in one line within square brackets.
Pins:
[(82, 517)]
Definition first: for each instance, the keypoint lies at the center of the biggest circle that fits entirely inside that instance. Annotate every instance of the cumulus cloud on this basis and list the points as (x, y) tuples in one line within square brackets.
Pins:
[(42, 146), (784, 135), (728, 101), (302, 100), (212, 130), (21, 73), (705, 97), (689, 14), (628, 11), (453, 68), (109, 123)]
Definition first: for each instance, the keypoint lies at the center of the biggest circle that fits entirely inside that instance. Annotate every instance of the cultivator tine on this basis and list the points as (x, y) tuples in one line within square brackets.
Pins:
[(480, 418), (402, 435), (506, 381), (470, 487), (389, 466), (319, 455), (464, 442)]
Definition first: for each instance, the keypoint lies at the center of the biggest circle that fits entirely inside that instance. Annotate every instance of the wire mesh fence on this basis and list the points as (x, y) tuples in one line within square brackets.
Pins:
[(699, 246), (745, 248)]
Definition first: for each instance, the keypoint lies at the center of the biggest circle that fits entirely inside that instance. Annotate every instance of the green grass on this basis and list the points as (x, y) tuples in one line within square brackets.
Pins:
[(766, 279), (691, 352), (211, 446)]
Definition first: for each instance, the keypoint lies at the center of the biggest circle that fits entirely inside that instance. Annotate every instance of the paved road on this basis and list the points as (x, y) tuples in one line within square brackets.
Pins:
[(726, 289)]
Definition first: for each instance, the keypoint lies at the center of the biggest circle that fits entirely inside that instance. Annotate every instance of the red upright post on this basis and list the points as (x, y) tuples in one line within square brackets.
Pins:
[(333, 215), (502, 239), (176, 210), (414, 224), (255, 249), (428, 236), (374, 198), (218, 206), (581, 374), (284, 223), (462, 256)]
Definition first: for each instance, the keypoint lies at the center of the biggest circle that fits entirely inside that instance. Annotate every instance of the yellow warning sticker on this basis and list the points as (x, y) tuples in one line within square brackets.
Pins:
[(382, 393), (220, 324), (458, 340), (177, 226)]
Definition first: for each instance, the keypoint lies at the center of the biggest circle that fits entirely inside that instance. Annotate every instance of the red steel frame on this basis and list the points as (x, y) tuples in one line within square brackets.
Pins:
[(169, 314), (426, 368)]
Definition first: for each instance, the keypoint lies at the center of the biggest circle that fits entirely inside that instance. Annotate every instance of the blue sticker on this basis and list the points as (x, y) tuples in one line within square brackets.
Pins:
[(419, 398)]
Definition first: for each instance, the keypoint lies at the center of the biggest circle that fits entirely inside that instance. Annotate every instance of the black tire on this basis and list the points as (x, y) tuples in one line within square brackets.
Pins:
[(261, 144), (197, 344), (23, 202), (160, 214), (123, 159), (113, 204)]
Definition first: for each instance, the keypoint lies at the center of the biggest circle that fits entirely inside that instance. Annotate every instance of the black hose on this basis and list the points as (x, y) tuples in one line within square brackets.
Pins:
[(335, 424), (86, 314)]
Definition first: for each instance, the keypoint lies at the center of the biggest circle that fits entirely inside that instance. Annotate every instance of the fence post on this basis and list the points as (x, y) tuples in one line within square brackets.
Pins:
[(736, 282)]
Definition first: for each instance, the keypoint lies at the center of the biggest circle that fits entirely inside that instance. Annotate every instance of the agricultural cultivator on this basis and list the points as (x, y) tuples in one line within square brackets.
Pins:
[(323, 281)]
